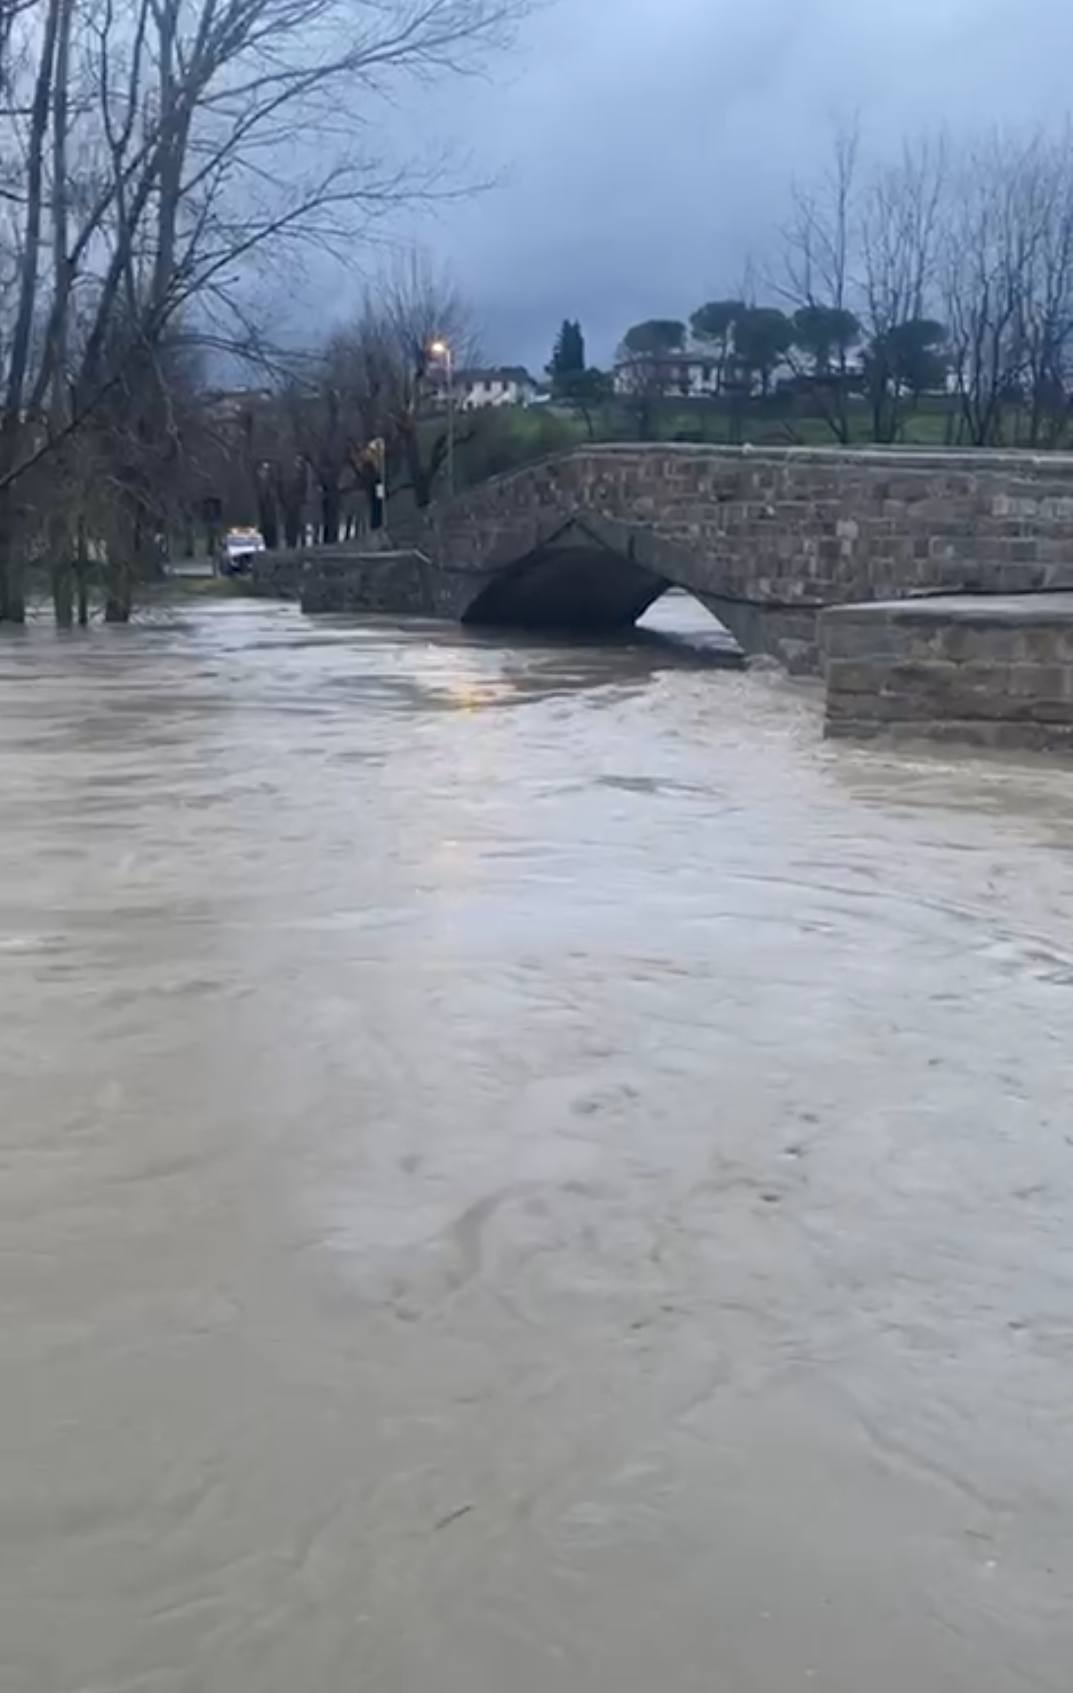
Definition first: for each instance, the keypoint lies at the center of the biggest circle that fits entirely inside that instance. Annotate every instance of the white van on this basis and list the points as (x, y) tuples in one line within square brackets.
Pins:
[(237, 551)]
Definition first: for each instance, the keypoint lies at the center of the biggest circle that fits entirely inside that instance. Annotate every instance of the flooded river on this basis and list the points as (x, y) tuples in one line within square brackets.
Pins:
[(522, 1171)]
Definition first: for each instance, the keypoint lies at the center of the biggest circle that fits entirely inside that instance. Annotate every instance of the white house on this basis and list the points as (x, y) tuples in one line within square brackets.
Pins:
[(683, 375), (507, 385)]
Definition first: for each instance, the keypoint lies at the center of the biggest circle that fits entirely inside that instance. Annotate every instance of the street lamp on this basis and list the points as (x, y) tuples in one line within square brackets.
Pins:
[(442, 350)]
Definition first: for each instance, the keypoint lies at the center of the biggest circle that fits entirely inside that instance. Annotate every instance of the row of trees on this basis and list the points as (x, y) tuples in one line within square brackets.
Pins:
[(151, 153), (818, 351), (366, 411), (949, 270)]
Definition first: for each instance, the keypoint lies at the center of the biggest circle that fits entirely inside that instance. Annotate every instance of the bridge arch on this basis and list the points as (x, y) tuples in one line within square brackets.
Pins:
[(591, 575), (588, 576)]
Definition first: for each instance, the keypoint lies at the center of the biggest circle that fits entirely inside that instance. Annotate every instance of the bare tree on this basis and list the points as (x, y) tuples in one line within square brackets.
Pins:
[(320, 429), (374, 392), (900, 229), (994, 257), (30, 242), (817, 263), (422, 310), (643, 381), (205, 131), (1045, 315)]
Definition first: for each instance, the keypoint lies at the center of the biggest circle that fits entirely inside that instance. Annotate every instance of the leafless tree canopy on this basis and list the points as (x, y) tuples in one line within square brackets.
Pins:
[(948, 260), (373, 398), (1007, 286), (150, 148)]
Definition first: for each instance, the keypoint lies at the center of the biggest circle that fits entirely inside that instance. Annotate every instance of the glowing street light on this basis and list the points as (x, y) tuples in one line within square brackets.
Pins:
[(441, 349)]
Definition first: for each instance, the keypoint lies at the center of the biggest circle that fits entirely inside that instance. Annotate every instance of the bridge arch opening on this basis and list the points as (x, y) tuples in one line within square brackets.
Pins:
[(585, 584), (570, 589), (684, 617)]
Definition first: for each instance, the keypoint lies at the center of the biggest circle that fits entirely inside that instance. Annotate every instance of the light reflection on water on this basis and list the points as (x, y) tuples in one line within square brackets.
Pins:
[(522, 1167)]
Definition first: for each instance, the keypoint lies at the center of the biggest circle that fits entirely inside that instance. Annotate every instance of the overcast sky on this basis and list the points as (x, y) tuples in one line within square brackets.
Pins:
[(646, 146)]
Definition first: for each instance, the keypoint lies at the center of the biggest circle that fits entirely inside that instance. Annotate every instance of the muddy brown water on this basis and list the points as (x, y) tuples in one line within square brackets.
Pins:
[(522, 1170)]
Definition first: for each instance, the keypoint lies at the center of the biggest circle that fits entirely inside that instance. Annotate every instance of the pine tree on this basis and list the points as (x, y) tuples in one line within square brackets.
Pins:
[(568, 357)]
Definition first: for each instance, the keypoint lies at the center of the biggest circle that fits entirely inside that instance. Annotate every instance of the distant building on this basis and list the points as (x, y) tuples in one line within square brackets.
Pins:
[(685, 375), (696, 374), (507, 385)]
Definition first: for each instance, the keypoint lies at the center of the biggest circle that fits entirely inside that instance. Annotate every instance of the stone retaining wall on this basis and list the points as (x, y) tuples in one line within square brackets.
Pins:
[(351, 581), (277, 575), (992, 672)]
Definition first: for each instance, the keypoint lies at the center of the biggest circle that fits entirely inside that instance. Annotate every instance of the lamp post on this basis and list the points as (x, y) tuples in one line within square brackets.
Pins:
[(443, 350)]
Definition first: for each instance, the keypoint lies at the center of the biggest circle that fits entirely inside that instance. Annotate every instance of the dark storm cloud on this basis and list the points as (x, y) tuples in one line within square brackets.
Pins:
[(647, 146)]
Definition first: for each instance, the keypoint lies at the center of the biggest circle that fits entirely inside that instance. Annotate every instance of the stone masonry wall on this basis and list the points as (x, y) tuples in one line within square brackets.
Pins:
[(277, 575), (994, 672), (793, 526), (351, 581)]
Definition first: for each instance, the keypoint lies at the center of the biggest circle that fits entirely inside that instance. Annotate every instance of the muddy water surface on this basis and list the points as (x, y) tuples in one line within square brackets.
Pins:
[(522, 1170)]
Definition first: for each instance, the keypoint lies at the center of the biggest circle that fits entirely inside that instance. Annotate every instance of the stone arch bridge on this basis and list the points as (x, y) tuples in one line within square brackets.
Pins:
[(765, 538)]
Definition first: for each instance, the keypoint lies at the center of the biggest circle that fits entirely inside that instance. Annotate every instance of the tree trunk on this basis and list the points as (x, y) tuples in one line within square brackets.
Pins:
[(329, 513), (16, 592), (124, 550), (59, 547), (268, 521), (82, 574), (420, 478), (14, 601), (63, 592), (12, 597), (5, 549), (421, 475), (118, 590)]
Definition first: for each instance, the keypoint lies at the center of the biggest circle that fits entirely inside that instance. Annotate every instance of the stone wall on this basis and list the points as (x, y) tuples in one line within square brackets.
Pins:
[(277, 575), (792, 526), (765, 538), (994, 672), (291, 573), (342, 580)]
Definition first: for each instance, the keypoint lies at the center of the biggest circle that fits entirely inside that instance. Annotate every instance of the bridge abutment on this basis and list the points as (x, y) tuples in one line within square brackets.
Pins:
[(985, 670)]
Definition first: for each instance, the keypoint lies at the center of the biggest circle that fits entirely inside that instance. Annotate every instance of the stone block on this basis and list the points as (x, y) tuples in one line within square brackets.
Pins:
[(845, 633), (851, 675), (1039, 681)]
